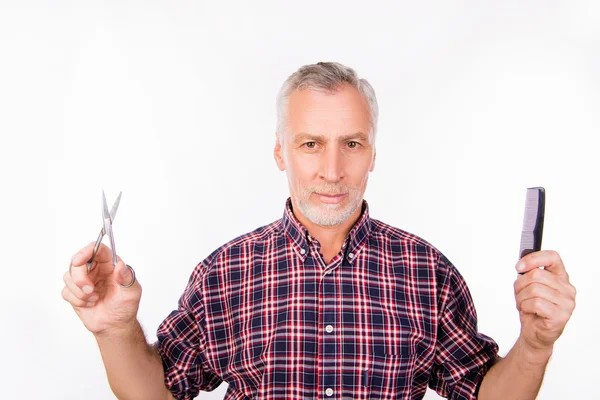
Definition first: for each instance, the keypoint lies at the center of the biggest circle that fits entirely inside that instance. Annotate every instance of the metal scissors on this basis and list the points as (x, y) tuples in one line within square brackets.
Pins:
[(107, 219)]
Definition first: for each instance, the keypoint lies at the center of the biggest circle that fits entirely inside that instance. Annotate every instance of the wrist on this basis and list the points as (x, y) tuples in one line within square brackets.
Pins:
[(118, 332), (534, 355)]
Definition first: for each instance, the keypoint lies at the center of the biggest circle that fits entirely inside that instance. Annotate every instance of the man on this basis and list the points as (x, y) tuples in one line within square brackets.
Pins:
[(325, 302)]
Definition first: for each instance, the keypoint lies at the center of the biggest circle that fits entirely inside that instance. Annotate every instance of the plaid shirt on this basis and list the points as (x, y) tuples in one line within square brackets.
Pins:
[(388, 316)]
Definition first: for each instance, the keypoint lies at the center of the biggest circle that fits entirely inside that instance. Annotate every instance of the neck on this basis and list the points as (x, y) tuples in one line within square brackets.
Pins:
[(331, 238)]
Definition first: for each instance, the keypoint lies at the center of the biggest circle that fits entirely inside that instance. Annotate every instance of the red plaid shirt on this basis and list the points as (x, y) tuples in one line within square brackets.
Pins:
[(388, 316)]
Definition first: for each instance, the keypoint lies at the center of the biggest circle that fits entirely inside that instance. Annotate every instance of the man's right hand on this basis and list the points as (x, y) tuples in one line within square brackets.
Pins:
[(102, 305)]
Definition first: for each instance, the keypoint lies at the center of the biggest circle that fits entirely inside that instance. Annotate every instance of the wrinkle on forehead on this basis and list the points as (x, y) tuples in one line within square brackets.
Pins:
[(341, 113)]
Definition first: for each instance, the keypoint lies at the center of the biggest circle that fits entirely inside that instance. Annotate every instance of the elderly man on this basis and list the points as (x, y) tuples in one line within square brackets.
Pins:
[(325, 302)]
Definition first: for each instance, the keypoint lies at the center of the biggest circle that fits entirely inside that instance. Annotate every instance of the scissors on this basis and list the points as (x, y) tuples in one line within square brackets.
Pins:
[(107, 219)]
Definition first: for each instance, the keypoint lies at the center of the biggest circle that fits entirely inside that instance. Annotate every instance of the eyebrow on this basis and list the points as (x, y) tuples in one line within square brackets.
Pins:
[(357, 135), (302, 136)]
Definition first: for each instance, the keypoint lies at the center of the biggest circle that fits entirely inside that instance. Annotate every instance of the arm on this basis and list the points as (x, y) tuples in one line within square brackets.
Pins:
[(545, 300), (108, 308), (133, 367), (463, 355), (517, 376)]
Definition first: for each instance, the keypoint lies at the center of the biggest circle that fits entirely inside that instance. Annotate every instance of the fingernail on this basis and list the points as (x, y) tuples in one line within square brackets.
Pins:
[(87, 289), (520, 266), (75, 256), (93, 298), (90, 304), (124, 271)]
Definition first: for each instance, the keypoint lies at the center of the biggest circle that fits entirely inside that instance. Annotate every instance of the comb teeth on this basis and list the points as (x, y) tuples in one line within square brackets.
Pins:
[(533, 220), (531, 208)]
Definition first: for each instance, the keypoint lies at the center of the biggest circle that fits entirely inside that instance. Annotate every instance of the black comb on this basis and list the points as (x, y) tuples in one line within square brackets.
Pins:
[(533, 221)]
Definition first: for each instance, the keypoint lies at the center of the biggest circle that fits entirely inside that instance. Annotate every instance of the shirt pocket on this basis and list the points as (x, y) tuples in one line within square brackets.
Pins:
[(388, 376)]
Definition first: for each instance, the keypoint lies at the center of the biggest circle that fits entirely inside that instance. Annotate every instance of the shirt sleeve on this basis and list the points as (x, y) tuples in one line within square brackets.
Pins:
[(181, 343), (463, 355)]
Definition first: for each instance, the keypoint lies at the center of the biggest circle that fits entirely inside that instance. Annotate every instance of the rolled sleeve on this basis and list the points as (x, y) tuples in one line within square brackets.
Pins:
[(181, 343), (463, 355)]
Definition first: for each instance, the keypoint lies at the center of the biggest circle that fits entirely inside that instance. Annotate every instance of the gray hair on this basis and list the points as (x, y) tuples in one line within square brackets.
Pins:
[(328, 76)]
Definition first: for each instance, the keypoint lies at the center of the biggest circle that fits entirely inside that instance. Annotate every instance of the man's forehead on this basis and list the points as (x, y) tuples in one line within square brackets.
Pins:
[(343, 97), (324, 136), (345, 110)]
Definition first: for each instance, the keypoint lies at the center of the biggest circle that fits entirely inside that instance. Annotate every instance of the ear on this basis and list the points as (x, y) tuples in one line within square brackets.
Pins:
[(373, 162), (278, 154)]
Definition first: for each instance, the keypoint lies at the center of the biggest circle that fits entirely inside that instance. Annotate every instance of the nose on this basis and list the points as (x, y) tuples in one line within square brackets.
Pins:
[(332, 165)]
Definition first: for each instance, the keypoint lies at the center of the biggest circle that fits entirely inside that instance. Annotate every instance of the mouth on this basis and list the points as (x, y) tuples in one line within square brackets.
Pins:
[(331, 198)]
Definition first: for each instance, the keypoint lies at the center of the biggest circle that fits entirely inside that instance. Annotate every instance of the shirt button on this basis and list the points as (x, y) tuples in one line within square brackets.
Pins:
[(302, 251), (350, 255), (329, 328), (329, 392)]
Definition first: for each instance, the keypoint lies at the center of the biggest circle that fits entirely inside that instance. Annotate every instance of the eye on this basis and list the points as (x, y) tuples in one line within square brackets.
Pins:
[(352, 144), (310, 145)]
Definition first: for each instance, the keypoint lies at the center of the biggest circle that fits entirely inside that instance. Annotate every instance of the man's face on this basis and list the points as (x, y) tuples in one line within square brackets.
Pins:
[(327, 152)]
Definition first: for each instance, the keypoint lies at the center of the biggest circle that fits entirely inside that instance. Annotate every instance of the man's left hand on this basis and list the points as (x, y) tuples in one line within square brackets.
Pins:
[(545, 299)]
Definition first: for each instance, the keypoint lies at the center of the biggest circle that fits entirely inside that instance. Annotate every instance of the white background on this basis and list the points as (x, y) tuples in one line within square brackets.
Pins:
[(174, 104)]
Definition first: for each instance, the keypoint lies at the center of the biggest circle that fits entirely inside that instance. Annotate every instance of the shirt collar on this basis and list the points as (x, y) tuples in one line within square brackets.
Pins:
[(299, 234)]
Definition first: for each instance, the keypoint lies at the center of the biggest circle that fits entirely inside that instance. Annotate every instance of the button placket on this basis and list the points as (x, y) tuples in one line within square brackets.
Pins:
[(329, 346)]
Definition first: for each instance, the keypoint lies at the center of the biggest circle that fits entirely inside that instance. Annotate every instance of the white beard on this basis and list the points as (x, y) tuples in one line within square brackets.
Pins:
[(329, 214)]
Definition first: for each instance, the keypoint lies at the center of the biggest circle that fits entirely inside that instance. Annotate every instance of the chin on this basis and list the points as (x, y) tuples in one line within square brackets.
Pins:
[(328, 206)]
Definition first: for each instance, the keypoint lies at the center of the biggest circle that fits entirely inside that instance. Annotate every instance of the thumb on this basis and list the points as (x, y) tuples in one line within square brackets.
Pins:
[(122, 274)]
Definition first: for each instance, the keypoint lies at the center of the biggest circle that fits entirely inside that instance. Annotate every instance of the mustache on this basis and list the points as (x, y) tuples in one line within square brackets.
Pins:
[(330, 189)]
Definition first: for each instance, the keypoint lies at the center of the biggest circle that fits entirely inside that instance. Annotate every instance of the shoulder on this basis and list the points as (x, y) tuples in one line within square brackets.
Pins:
[(261, 236), (385, 232), (413, 249)]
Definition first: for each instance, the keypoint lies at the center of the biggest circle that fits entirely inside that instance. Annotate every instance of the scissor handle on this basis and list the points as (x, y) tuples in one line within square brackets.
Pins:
[(89, 263)]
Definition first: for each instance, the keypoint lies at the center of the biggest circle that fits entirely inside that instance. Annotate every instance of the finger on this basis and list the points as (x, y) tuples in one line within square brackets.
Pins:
[(80, 277), (104, 254), (540, 307), (123, 275), (74, 300), (79, 271), (538, 290), (540, 276), (549, 259), (76, 290)]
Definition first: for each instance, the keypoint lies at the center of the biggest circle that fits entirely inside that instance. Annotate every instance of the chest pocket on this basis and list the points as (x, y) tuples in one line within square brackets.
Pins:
[(389, 376)]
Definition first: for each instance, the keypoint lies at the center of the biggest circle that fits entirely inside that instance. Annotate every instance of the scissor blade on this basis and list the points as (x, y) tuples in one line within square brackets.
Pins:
[(105, 213), (103, 231), (115, 207), (108, 227), (113, 211)]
